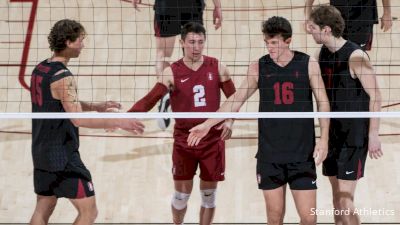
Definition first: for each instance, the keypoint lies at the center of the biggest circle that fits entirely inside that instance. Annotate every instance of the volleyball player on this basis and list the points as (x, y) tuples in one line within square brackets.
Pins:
[(287, 152), (58, 169), (169, 17), (351, 86), (194, 82), (360, 16)]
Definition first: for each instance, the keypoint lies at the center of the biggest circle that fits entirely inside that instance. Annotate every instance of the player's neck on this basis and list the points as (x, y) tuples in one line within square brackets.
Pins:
[(57, 57), (193, 64), (284, 58), (334, 44)]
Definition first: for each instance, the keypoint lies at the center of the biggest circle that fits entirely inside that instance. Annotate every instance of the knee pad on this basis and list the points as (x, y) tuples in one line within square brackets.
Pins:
[(179, 200), (208, 198)]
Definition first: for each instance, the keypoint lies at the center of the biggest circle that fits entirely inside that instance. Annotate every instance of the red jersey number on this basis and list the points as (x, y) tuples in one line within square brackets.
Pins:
[(36, 90), (285, 94)]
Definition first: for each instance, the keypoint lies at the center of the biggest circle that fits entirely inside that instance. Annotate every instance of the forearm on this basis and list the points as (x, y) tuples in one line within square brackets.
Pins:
[(308, 8), (374, 106), (324, 122), (217, 3), (88, 106), (230, 105), (386, 7), (97, 123)]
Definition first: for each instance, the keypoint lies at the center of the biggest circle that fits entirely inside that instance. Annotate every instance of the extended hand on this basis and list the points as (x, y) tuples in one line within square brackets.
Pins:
[(197, 133), (226, 127)]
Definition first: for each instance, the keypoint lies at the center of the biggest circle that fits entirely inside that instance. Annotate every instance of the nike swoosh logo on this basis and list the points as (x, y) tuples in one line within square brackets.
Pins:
[(184, 80), (314, 182), (349, 172)]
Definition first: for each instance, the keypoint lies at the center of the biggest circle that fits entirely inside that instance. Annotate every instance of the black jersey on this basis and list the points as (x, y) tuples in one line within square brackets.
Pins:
[(285, 89), (53, 140), (357, 11), (171, 7), (345, 94)]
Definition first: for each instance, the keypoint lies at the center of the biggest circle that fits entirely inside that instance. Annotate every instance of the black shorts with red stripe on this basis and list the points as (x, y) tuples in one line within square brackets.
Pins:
[(169, 25), (348, 148), (73, 182), (359, 33)]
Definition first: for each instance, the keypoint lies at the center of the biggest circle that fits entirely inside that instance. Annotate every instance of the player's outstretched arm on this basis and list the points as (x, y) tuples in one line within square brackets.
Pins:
[(65, 90), (248, 86), (318, 88), (160, 89), (100, 106), (361, 67)]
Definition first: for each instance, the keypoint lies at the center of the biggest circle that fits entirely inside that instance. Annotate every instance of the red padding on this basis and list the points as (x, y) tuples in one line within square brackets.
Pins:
[(228, 88), (151, 99)]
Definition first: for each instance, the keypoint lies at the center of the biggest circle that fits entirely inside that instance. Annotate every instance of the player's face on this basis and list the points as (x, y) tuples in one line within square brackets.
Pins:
[(276, 45), (193, 46), (76, 46), (317, 33)]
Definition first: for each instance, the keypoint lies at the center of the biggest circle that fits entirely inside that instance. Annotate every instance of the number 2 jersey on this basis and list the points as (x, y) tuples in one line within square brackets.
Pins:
[(285, 89), (195, 91), (53, 140)]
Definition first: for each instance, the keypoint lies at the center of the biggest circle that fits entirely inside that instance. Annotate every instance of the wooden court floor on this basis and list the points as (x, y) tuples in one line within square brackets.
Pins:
[(131, 174)]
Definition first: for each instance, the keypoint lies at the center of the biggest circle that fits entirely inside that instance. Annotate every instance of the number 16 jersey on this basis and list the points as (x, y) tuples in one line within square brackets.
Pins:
[(285, 89)]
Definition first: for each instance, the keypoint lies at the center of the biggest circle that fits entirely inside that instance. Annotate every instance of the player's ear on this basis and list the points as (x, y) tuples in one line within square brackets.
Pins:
[(327, 29), (288, 41)]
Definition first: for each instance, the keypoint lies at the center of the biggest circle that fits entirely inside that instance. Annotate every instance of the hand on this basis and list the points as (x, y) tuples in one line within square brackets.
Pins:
[(217, 17), (226, 127), (132, 125), (320, 152), (197, 133), (107, 106), (386, 22), (374, 147), (136, 3)]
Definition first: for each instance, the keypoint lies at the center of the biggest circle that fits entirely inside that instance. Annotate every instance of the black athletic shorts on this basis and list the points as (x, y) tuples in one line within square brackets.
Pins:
[(348, 148), (345, 163), (170, 25), (73, 182), (299, 175), (359, 33)]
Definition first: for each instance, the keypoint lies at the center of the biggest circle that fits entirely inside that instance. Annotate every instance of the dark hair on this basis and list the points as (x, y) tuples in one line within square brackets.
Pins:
[(277, 25), (328, 16), (193, 27), (62, 31)]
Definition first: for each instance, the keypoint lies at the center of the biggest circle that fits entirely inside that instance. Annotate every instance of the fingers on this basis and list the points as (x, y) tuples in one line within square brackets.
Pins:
[(192, 140), (317, 159), (226, 134), (217, 23), (375, 153), (112, 104)]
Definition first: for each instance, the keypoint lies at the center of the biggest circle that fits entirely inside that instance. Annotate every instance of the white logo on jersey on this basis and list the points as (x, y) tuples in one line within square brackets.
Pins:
[(184, 80), (210, 76), (349, 172), (314, 182)]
